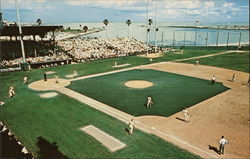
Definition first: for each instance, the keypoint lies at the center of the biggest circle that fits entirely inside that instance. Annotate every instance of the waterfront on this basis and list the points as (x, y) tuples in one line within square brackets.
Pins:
[(171, 35)]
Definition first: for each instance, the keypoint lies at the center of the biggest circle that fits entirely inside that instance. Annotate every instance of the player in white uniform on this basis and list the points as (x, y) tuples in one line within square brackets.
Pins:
[(149, 101), (11, 92), (186, 115), (197, 62), (131, 126), (222, 142), (141, 67), (233, 77), (75, 73), (213, 80), (25, 80)]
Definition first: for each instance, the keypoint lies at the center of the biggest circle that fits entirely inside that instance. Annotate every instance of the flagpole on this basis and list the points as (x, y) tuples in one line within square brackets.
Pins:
[(155, 25), (20, 31), (147, 28)]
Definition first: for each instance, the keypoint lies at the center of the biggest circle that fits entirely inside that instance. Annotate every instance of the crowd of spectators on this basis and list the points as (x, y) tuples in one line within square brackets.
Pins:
[(45, 61), (94, 49), (82, 50)]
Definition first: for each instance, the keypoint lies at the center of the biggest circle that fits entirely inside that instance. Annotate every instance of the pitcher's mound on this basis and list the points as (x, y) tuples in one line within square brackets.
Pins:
[(139, 84), (50, 84)]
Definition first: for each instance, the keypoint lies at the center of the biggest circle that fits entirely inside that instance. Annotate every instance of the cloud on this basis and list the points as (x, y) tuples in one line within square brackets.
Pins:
[(209, 4), (114, 4), (180, 4), (188, 10), (25, 4), (24, 1), (228, 5)]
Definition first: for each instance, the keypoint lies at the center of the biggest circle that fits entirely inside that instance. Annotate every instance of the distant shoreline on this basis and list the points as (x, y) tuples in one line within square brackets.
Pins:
[(211, 27)]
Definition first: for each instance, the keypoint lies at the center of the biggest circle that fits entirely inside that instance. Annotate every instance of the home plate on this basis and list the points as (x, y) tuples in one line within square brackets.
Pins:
[(108, 141)]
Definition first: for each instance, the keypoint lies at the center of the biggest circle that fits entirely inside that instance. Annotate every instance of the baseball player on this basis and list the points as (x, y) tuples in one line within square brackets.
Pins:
[(222, 142), (75, 73), (197, 62), (213, 80), (248, 82), (150, 60), (149, 101), (45, 76), (186, 115), (131, 126), (141, 67), (233, 77), (11, 92), (57, 81), (25, 80), (1, 103)]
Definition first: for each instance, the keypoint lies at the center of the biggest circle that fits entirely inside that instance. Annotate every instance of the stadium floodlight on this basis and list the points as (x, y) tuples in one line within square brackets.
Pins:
[(147, 29), (24, 64), (156, 29)]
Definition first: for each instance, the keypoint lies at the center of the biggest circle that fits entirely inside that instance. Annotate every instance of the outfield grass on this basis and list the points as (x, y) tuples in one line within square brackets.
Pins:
[(234, 61), (171, 92), (58, 119)]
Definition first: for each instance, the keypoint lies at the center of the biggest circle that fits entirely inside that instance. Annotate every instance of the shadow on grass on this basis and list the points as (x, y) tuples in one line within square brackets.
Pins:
[(49, 150)]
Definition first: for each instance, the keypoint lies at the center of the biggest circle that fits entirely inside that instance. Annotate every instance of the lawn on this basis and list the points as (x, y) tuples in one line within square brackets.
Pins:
[(171, 92), (234, 61), (58, 119)]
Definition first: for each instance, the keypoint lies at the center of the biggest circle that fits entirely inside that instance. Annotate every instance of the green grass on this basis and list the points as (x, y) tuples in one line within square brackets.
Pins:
[(171, 92), (58, 119), (234, 61)]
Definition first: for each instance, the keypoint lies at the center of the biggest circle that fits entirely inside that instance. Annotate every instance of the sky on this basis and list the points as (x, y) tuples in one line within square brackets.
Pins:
[(62, 11)]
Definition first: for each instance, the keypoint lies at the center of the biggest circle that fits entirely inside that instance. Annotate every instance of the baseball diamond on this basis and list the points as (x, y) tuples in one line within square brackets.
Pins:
[(166, 91), (124, 79), (99, 96)]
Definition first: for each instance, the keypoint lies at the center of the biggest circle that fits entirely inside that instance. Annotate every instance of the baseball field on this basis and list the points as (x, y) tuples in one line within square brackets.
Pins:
[(167, 91), (220, 109)]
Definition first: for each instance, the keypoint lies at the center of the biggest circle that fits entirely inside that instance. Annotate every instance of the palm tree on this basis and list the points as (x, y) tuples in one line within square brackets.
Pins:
[(128, 22), (150, 22), (197, 22), (39, 21), (106, 22), (85, 28)]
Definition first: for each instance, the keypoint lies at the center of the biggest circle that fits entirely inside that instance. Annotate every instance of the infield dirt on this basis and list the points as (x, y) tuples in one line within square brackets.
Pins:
[(225, 114)]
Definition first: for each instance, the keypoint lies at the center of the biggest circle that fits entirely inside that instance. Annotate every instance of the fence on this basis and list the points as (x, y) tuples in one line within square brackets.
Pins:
[(201, 38)]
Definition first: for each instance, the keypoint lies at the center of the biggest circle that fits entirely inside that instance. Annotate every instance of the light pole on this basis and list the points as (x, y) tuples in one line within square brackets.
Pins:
[(20, 35), (147, 29), (156, 29)]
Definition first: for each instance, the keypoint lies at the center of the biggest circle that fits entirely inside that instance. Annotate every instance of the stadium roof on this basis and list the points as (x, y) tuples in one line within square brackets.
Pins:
[(28, 30)]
